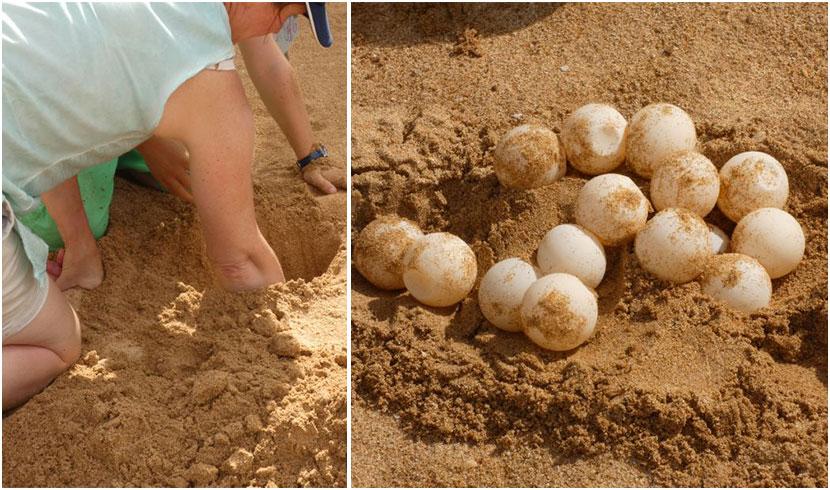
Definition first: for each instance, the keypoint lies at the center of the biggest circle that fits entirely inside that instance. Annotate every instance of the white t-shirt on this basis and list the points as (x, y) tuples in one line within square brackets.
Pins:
[(84, 83)]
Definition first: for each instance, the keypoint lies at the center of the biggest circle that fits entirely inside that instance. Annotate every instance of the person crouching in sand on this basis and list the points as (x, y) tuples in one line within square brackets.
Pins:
[(161, 67)]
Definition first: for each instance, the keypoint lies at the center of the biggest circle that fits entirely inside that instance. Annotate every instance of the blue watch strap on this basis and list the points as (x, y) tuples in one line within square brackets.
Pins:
[(320, 152)]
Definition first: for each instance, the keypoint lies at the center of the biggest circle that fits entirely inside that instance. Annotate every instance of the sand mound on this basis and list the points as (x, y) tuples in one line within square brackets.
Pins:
[(183, 384), (683, 389)]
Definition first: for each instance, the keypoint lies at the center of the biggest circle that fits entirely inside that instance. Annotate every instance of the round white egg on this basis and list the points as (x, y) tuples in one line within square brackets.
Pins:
[(771, 236), (674, 245), (379, 250), (501, 291), (528, 157), (749, 181), (737, 280), (573, 250), (559, 312), (439, 269), (718, 239), (656, 132), (686, 180), (594, 138), (612, 207)]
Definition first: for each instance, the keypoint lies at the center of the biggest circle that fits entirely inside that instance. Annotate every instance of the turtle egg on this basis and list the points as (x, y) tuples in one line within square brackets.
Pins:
[(674, 245), (594, 138), (612, 207), (528, 157), (771, 236), (718, 240), (574, 250), (656, 132), (501, 291), (737, 280), (379, 250), (439, 269), (559, 312), (750, 181), (686, 180)]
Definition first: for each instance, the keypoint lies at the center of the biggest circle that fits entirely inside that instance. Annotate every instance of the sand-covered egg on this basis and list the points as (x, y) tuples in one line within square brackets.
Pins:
[(528, 157), (594, 138), (674, 245), (501, 291), (749, 181), (737, 280), (439, 269), (612, 207), (379, 250), (574, 250), (718, 239), (771, 236), (559, 312), (656, 132), (686, 180)]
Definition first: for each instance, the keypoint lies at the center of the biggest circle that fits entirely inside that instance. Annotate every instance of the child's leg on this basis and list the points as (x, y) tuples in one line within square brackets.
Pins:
[(41, 337)]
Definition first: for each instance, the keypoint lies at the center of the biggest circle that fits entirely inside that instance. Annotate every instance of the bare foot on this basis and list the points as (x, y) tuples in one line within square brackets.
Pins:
[(77, 267)]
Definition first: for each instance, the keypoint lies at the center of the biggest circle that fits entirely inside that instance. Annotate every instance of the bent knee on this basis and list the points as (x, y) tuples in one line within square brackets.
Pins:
[(55, 327), (65, 340), (74, 339), (69, 349)]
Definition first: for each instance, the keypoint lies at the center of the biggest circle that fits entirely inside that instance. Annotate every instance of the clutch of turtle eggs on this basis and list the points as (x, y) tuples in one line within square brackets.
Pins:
[(554, 302)]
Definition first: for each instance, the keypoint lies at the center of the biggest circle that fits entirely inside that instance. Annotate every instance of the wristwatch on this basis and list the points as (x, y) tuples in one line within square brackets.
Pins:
[(319, 152)]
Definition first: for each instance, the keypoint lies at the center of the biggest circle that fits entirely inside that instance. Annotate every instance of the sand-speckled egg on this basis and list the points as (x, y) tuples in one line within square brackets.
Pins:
[(528, 157), (574, 250), (737, 280), (594, 138), (379, 250), (718, 239), (674, 245), (559, 312), (612, 207), (686, 180), (771, 236), (439, 269), (501, 291), (749, 181), (656, 132)]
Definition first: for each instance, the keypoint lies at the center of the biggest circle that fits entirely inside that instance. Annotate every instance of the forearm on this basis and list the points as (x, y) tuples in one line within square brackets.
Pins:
[(219, 135), (66, 208), (223, 193), (276, 83)]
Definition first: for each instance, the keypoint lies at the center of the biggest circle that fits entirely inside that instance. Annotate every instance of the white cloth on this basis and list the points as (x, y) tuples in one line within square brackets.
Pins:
[(23, 295)]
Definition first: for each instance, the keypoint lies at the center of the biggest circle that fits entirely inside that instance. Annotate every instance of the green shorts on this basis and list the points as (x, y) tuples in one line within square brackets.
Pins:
[(96, 185)]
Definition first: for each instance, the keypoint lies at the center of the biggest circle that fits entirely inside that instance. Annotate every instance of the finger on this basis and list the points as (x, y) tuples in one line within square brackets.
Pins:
[(59, 257), (315, 178), (336, 176)]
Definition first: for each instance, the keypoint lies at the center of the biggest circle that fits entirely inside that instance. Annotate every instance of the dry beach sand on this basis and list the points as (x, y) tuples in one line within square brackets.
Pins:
[(182, 384), (673, 389)]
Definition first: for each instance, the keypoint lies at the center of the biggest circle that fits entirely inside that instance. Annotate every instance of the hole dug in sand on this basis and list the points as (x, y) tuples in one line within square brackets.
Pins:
[(306, 237)]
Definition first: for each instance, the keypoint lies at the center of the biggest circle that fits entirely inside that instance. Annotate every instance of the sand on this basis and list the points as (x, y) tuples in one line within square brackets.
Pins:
[(674, 389), (182, 384)]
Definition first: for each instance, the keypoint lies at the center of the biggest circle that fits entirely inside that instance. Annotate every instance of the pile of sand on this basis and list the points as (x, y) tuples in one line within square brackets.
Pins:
[(183, 384), (674, 389)]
